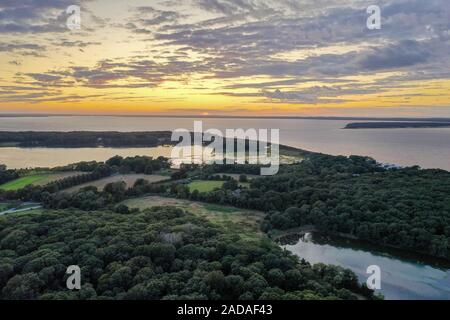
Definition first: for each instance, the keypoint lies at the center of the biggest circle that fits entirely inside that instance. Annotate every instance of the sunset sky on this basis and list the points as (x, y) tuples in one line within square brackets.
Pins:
[(226, 57)]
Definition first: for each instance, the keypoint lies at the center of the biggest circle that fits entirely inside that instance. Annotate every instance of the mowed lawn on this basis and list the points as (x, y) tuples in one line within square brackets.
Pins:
[(247, 223), (205, 186), (37, 179), (129, 179)]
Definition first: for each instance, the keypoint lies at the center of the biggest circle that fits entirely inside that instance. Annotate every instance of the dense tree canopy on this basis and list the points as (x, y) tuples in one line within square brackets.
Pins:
[(7, 175), (406, 208), (162, 253), (85, 139)]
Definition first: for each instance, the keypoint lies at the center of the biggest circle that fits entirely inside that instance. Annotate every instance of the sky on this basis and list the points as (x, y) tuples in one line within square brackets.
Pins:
[(226, 57)]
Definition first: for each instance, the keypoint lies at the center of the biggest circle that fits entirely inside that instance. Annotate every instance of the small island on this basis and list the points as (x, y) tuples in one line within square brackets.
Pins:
[(396, 125)]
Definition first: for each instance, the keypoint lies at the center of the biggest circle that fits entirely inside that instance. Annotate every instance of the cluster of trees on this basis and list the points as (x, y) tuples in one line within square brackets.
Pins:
[(138, 164), (405, 208), (162, 253), (7, 175), (90, 198), (38, 193), (251, 169), (84, 166), (86, 139), (48, 194)]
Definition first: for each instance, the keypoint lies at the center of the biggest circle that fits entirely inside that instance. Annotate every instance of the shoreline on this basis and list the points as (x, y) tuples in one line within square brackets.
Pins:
[(336, 239), (325, 118), (397, 125)]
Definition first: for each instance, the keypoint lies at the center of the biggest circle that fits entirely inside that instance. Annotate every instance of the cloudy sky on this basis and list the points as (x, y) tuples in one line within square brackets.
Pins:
[(246, 57)]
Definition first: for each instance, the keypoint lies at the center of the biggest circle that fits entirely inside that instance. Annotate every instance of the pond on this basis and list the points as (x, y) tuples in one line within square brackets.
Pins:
[(403, 276)]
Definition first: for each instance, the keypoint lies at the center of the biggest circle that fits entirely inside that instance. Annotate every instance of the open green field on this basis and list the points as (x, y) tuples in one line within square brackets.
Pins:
[(205, 186), (129, 179), (21, 182), (245, 222), (36, 179)]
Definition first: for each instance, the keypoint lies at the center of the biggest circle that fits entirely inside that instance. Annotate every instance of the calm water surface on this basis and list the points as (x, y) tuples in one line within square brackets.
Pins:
[(401, 278), (429, 148), (21, 158)]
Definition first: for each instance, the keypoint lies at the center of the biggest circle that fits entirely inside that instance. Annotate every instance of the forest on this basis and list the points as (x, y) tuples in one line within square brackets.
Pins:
[(160, 253), (168, 253), (7, 175), (84, 139), (405, 208)]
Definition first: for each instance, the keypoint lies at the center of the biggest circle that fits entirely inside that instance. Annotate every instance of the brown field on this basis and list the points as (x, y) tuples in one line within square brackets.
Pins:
[(244, 222), (129, 179)]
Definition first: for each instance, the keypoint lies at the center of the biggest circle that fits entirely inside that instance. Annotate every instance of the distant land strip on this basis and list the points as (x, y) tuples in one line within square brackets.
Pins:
[(171, 116), (396, 125), (84, 139), (104, 139)]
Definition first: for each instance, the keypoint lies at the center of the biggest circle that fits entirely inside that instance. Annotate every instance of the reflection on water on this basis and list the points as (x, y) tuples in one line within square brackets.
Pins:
[(427, 147), (402, 278), (21, 158), (18, 158)]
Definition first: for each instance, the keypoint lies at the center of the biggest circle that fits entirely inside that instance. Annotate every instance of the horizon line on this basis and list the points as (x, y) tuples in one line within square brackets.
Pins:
[(43, 115)]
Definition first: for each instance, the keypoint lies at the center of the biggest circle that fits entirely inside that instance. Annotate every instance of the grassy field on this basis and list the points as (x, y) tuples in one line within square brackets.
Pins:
[(36, 179), (205, 186), (245, 222), (21, 182), (129, 179)]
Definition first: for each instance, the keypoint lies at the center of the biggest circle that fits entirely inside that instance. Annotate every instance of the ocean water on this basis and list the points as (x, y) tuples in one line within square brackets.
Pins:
[(427, 147)]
